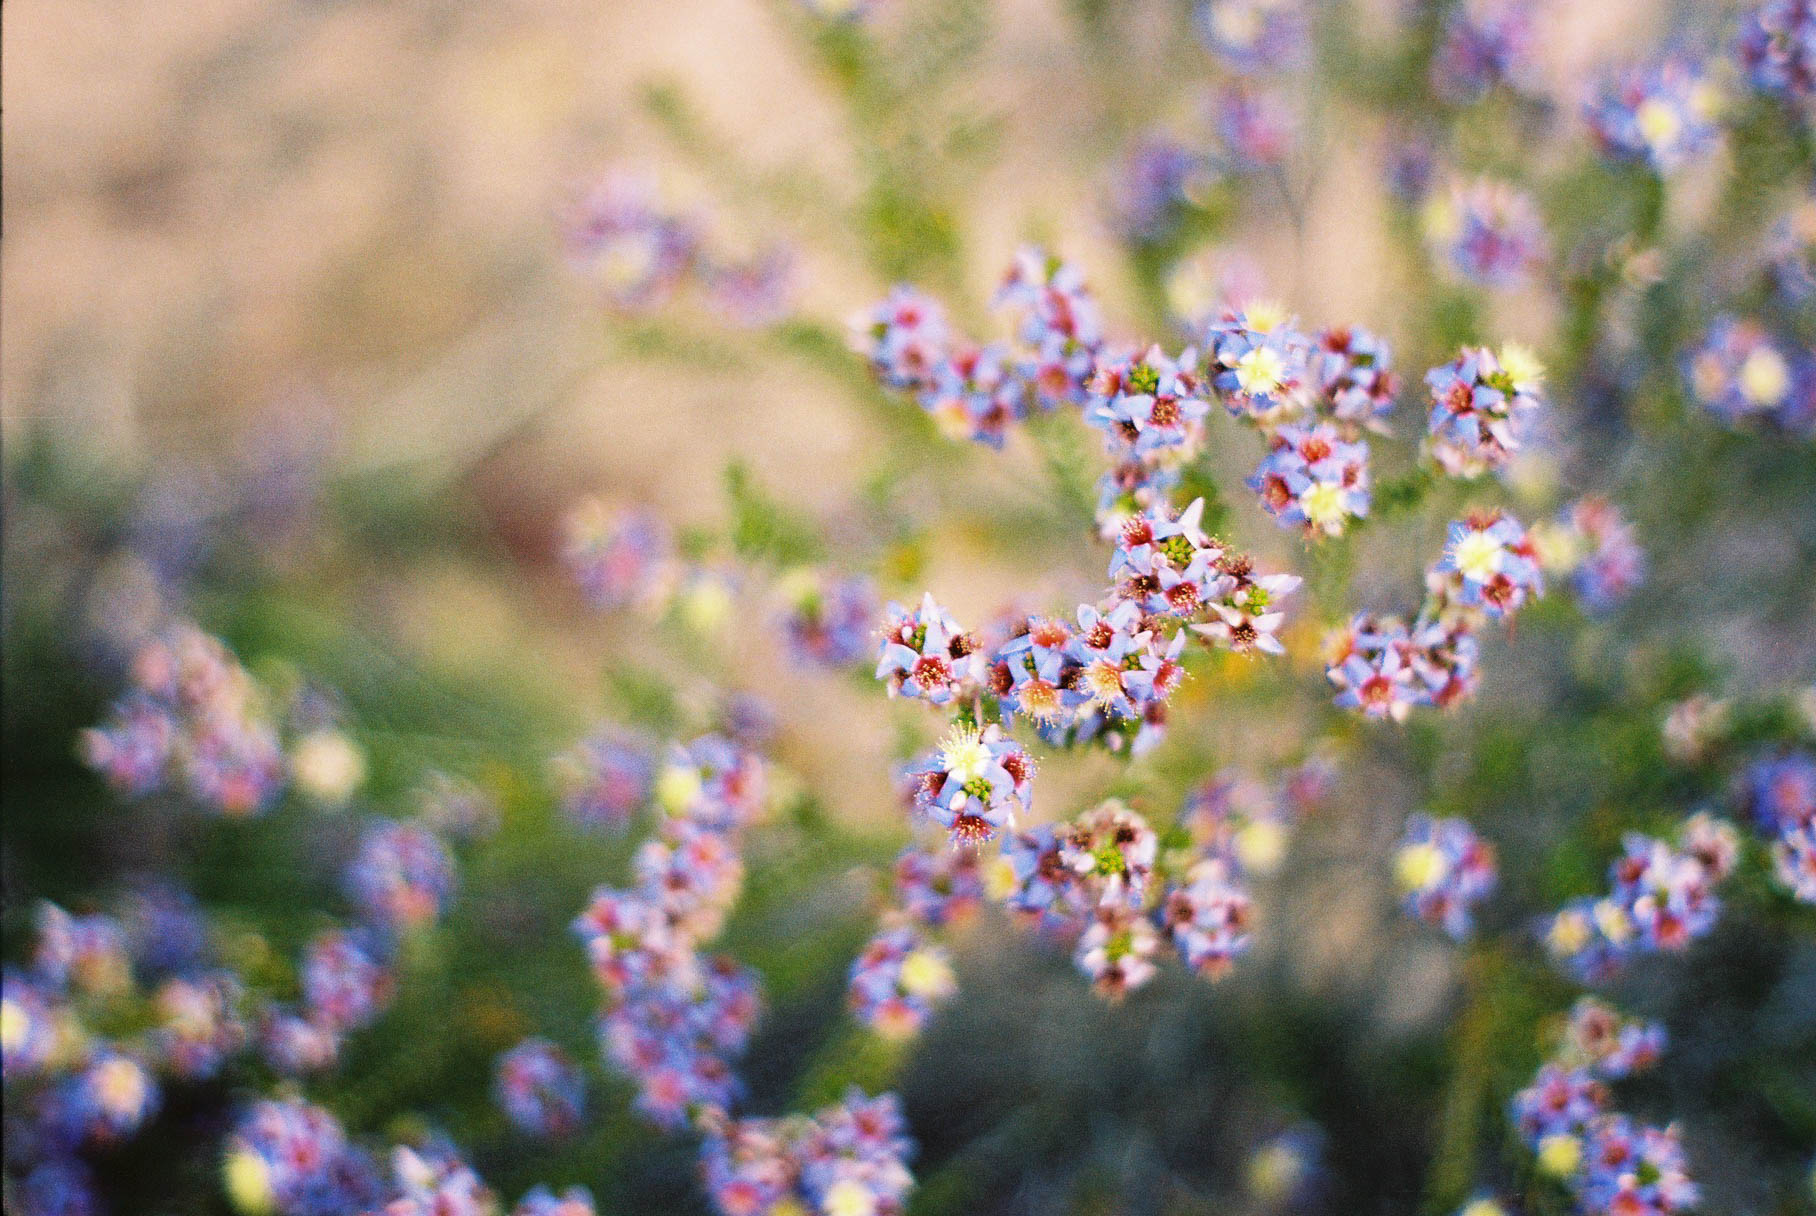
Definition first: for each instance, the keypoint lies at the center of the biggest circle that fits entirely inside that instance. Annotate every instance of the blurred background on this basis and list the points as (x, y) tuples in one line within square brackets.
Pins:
[(301, 341)]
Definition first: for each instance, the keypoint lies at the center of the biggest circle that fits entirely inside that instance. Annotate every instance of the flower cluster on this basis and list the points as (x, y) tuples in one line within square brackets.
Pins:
[(1778, 49), (827, 621), (1611, 1165), (618, 559), (1482, 404), (1253, 35), (1740, 372), (540, 1090), (196, 721), (1485, 43), (1312, 478), (1485, 231), (1058, 324), (1592, 544), (605, 779), (846, 1160), (1661, 898), (1255, 127), (402, 877), (1779, 792), (637, 252), (1664, 114), (897, 982), (1443, 870)]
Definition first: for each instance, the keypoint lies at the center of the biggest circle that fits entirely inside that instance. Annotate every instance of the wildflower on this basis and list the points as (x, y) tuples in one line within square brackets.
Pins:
[(1058, 320), (1147, 402), (134, 750), (294, 1044), (630, 942), (618, 559), (1312, 478), (57, 1186), (1664, 114), (692, 875), (1158, 180), (1791, 248), (27, 1025), (1370, 664), (87, 952), (1634, 1169), (1254, 126), (1111, 852), (605, 778), (1739, 372), (1485, 231), (291, 1158), (1253, 35), (1352, 370), (1245, 617), (540, 1089), (402, 877), (1489, 564), (926, 655), (108, 1100), (1778, 48), (939, 886), (905, 339), (1165, 562), (1601, 1041), (345, 985), (1780, 791), (1208, 917), (1593, 544), (975, 783), (1794, 861), (1107, 648), (1445, 657), (1131, 486), (976, 393), (540, 1201), (757, 291), (621, 240), (434, 1181), (676, 1038), (1241, 821), (716, 783), (1443, 869), (1117, 950), (897, 982), (1039, 885), (846, 1160), (1559, 1102), (1485, 44), (828, 620), (1035, 674), (199, 1024), (1259, 363)]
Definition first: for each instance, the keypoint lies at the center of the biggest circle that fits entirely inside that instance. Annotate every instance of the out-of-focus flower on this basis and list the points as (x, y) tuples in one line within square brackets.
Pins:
[(85, 952), (605, 778), (107, 1100), (897, 982), (1482, 404), (1665, 114), (829, 620), (1253, 35), (1593, 545), (540, 1089), (1352, 370), (1286, 1170), (402, 877), (1208, 917), (327, 766), (692, 873), (540, 1201), (434, 1181), (621, 240), (345, 984), (1599, 1039), (1057, 320), (1443, 870), (1634, 1169), (1778, 48), (714, 782), (619, 558), (1485, 43), (758, 291), (1485, 231), (293, 1159), (1780, 794), (905, 338), (199, 1024), (846, 1160), (1255, 127), (1692, 725), (939, 886), (1158, 180), (1739, 372), (1117, 950), (976, 393)]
